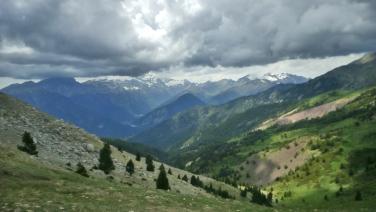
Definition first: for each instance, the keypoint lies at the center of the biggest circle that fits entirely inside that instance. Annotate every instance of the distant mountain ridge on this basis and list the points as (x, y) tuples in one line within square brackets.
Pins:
[(249, 85), (123, 107), (63, 98), (169, 109)]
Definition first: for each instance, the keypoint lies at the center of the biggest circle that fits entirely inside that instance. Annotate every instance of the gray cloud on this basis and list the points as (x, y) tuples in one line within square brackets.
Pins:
[(41, 38)]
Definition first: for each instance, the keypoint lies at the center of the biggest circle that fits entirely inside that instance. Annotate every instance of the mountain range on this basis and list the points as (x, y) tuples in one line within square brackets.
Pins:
[(219, 123), (124, 107)]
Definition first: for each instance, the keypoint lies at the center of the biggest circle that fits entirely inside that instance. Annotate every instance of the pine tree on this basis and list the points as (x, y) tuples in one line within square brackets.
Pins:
[(162, 181), (81, 170), (105, 161), (193, 180), (130, 167), (179, 176), (199, 183), (149, 163), (29, 145), (211, 189), (185, 178), (138, 157), (169, 171)]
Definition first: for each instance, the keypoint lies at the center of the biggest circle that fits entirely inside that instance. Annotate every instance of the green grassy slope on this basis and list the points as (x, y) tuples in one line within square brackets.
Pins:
[(26, 184), (230, 151), (344, 155), (347, 159)]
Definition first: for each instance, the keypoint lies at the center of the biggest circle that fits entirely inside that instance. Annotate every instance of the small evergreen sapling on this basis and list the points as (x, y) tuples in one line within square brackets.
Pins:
[(185, 178), (149, 164), (29, 145), (81, 170), (138, 157), (130, 167)]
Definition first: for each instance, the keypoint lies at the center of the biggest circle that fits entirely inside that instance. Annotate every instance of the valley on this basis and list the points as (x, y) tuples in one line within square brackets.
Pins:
[(307, 146), (187, 105)]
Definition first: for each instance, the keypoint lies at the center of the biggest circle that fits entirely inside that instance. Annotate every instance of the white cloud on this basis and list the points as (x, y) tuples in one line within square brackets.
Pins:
[(304, 67), (6, 81), (90, 38)]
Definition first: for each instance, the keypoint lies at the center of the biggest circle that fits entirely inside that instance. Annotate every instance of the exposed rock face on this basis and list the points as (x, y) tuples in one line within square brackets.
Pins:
[(312, 113), (315, 112), (89, 147), (266, 167)]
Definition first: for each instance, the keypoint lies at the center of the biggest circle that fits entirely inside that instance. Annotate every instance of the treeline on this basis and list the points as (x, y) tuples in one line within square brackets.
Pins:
[(257, 196), (195, 181)]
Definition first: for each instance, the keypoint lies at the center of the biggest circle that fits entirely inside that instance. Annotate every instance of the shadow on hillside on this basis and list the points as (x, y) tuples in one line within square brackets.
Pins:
[(260, 171)]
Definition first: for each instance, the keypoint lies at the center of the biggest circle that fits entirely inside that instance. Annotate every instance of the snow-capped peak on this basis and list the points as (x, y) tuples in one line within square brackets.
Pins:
[(275, 77), (174, 82)]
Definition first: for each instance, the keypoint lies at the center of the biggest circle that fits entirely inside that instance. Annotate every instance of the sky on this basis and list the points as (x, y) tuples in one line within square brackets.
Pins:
[(194, 39)]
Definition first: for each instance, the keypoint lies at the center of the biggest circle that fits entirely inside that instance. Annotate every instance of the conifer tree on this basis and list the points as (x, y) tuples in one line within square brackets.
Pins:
[(169, 171), (193, 180), (81, 170), (138, 157), (211, 189), (199, 182), (130, 167), (162, 180), (185, 178), (29, 145), (105, 161), (149, 163)]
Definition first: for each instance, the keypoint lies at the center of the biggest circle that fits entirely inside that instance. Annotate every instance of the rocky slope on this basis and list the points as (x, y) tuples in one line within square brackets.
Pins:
[(311, 113)]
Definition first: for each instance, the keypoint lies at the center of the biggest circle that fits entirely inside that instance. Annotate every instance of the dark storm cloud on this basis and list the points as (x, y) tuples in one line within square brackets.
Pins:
[(40, 38)]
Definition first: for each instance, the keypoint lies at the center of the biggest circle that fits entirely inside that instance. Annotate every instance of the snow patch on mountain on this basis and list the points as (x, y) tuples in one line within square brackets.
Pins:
[(131, 88), (276, 77)]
